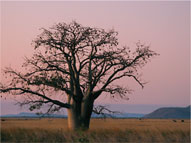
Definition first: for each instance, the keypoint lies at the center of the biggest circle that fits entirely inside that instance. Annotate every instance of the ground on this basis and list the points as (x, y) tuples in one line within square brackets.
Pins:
[(101, 130)]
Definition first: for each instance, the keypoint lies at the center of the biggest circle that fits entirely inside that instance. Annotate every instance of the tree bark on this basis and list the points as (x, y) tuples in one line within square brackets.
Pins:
[(79, 114), (86, 111)]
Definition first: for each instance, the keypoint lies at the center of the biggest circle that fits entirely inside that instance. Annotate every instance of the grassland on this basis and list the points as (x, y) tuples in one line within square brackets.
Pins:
[(101, 130)]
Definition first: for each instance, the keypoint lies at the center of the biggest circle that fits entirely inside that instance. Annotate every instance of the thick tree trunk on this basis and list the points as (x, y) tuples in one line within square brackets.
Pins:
[(79, 114), (86, 111), (73, 120)]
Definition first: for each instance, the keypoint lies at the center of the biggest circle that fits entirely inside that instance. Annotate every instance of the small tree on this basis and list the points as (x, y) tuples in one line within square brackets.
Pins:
[(79, 63)]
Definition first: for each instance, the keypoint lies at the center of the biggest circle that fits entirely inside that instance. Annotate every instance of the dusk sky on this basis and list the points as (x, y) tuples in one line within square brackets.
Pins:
[(165, 26)]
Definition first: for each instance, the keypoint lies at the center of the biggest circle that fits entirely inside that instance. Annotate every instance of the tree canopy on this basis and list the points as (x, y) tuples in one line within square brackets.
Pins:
[(76, 62)]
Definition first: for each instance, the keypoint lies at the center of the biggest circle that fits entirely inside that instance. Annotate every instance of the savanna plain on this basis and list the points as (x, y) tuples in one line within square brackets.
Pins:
[(101, 130)]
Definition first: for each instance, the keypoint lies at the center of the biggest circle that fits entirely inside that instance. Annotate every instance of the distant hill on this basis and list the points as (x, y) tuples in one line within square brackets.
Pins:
[(170, 113), (161, 113), (33, 115), (119, 115)]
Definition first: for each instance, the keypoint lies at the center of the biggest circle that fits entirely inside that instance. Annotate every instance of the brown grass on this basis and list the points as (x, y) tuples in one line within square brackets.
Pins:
[(108, 130)]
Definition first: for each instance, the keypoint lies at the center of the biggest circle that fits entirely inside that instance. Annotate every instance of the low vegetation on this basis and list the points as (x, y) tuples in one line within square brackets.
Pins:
[(101, 130)]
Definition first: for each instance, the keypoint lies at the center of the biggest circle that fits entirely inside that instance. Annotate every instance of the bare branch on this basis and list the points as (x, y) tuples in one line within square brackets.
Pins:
[(23, 91), (76, 62), (104, 111)]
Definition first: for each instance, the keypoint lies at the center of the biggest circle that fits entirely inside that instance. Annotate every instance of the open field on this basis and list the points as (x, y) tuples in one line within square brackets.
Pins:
[(101, 130)]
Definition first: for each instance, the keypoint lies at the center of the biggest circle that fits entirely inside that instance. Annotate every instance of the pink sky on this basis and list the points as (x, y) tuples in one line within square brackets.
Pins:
[(163, 25)]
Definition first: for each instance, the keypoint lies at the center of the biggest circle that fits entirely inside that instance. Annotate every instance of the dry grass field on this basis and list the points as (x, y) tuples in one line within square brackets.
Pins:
[(101, 130)]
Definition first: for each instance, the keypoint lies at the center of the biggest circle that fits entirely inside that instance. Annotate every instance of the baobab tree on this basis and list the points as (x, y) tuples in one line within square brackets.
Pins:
[(72, 66)]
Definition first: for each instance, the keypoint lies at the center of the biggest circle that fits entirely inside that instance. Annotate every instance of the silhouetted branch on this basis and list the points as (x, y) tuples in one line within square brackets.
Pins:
[(104, 111), (23, 91), (76, 62)]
